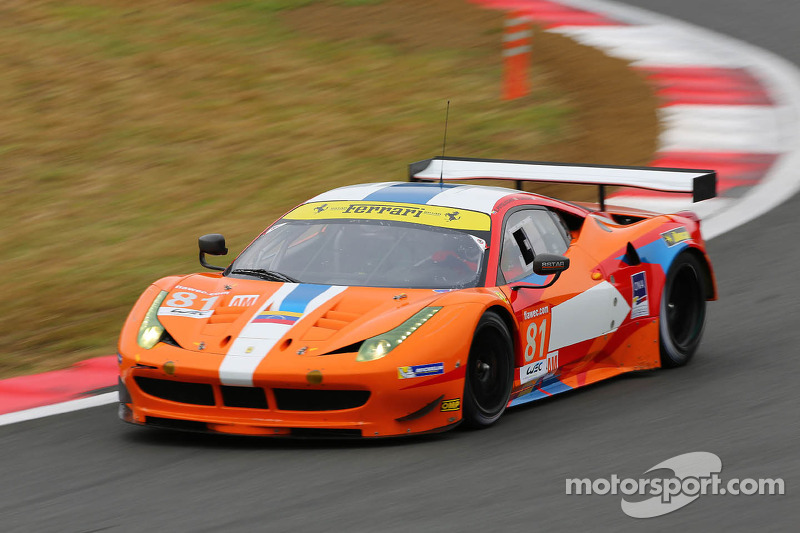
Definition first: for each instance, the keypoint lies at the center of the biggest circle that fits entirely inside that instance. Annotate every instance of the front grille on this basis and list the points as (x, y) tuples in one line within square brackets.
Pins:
[(252, 397), (177, 391), (319, 400)]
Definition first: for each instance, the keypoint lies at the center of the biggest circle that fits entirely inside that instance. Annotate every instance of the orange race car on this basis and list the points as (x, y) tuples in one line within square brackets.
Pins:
[(402, 308)]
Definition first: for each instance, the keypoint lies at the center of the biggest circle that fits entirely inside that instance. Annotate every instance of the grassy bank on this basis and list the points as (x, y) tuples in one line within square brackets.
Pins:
[(128, 130)]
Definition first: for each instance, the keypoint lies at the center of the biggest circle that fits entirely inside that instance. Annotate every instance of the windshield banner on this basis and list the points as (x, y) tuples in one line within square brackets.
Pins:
[(429, 215)]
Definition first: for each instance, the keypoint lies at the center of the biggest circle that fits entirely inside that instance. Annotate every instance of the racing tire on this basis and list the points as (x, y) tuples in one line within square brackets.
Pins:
[(489, 374), (682, 313)]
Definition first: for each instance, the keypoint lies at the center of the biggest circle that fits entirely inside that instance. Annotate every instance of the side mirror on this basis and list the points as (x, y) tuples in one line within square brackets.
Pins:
[(546, 264), (212, 244)]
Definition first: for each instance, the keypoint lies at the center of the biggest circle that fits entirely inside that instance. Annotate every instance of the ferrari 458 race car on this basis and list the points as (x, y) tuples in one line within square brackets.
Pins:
[(402, 308)]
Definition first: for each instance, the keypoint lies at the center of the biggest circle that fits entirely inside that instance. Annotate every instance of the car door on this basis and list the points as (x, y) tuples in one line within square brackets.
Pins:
[(566, 322)]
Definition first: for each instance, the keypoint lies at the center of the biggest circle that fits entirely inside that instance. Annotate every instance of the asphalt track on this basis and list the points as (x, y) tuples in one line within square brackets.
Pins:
[(86, 471)]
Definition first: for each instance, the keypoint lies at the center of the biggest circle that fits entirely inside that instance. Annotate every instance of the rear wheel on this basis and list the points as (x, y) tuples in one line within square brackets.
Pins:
[(683, 311), (489, 376)]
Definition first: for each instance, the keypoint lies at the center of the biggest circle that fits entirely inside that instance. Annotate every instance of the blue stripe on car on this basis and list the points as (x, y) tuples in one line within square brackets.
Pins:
[(556, 387), (658, 253), (408, 193), (297, 300), (549, 387), (531, 396)]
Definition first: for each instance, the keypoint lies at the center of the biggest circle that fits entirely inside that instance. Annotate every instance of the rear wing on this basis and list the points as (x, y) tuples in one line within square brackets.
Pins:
[(702, 184)]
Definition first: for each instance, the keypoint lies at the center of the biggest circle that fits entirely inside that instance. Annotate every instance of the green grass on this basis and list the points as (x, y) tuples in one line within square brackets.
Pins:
[(129, 129)]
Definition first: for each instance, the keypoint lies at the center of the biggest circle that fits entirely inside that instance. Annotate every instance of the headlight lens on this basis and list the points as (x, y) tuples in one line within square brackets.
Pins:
[(380, 345), (151, 330)]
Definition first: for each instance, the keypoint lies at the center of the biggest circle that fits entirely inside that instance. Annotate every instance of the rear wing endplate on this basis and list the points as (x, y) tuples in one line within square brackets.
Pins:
[(701, 184)]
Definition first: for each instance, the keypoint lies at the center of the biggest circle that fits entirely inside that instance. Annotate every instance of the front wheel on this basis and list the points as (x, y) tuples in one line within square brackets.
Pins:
[(490, 370), (683, 311)]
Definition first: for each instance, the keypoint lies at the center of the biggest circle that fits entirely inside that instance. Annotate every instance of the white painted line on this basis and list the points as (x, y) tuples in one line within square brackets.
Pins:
[(672, 204), (655, 45), (779, 76), (59, 408), (721, 128), (517, 21)]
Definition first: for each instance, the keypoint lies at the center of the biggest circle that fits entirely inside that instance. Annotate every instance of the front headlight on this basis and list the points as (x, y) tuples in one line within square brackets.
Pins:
[(151, 330), (380, 345)]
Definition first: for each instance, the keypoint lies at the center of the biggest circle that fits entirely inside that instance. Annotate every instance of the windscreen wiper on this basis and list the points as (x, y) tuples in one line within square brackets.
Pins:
[(269, 275)]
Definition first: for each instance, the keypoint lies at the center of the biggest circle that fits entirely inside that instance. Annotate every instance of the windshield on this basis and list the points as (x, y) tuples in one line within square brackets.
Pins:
[(374, 253)]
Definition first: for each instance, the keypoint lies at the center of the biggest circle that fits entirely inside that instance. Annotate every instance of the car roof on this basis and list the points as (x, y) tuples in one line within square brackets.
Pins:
[(470, 197)]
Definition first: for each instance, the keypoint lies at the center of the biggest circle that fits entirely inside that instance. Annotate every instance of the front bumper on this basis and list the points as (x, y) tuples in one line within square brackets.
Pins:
[(303, 396)]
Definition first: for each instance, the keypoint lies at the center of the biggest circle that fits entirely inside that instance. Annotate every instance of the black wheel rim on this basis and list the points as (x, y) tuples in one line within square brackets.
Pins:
[(488, 373), (685, 308)]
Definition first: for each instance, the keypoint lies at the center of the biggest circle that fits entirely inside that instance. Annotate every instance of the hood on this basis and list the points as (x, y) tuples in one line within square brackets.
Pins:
[(213, 314)]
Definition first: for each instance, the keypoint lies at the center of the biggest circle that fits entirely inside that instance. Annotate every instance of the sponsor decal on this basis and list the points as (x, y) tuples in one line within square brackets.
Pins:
[(420, 371), (480, 242), (500, 294), (504, 202), (182, 311), (675, 236), (185, 288), (187, 300), (552, 265), (243, 300), (533, 313), (430, 215), (537, 333), (639, 302), (451, 405), (538, 369), (276, 317), (443, 290), (403, 211)]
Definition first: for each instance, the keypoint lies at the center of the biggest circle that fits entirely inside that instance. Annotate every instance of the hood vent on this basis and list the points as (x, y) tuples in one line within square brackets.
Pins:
[(329, 323), (226, 315)]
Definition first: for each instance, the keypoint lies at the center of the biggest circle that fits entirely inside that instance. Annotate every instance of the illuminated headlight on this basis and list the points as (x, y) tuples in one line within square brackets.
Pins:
[(151, 330), (380, 345)]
